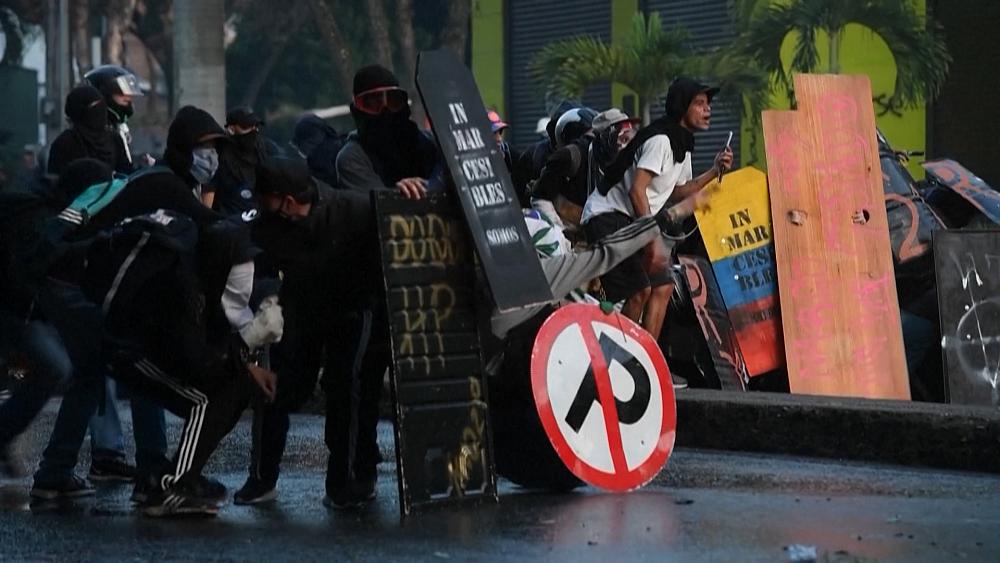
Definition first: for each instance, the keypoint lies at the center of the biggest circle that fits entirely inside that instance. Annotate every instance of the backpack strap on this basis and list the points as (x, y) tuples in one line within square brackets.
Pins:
[(98, 196)]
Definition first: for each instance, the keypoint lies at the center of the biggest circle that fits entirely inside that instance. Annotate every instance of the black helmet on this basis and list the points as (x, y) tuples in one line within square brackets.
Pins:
[(574, 124), (111, 80)]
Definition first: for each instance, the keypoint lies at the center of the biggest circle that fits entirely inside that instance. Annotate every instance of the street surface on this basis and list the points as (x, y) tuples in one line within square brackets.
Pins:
[(706, 506)]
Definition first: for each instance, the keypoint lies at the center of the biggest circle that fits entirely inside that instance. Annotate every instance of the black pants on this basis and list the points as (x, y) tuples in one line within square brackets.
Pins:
[(210, 406), (353, 351)]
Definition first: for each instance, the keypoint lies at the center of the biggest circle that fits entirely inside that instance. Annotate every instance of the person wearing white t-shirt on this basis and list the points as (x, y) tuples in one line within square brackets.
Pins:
[(654, 170)]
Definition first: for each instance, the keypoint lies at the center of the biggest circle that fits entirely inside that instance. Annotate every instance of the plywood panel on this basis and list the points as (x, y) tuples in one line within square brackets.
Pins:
[(736, 228), (835, 276)]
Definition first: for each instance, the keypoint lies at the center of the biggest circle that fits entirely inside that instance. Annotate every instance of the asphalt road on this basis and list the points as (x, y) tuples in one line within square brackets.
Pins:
[(706, 506)]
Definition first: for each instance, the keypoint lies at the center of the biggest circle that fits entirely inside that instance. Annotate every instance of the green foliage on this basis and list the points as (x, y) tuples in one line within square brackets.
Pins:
[(647, 61), (917, 46)]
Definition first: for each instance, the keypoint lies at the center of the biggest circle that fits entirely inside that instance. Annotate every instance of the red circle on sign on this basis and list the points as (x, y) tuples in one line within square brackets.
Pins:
[(622, 478)]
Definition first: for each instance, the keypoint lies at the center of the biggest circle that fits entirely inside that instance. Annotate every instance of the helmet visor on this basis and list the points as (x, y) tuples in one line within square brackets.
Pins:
[(128, 85)]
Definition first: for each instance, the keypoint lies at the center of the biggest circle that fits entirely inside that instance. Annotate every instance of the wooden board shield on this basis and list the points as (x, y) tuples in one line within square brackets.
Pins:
[(839, 311), (443, 442), (709, 308), (736, 228), (968, 280), (481, 180), (966, 184)]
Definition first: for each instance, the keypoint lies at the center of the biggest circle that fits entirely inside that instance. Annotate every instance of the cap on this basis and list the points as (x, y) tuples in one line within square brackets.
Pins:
[(496, 124), (243, 117), (607, 118)]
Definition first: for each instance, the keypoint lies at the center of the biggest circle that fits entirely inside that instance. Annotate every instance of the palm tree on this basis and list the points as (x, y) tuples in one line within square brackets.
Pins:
[(918, 48), (649, 59)]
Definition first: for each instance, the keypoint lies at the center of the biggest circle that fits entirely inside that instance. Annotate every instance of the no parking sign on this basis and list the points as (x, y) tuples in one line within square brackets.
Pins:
[(604, 396)]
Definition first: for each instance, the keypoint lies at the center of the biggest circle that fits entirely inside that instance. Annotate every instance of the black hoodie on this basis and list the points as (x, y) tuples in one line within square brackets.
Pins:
[(162, 187), (89, 135)]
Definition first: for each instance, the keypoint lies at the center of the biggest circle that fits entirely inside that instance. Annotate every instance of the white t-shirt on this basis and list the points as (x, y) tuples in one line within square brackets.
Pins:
[(655, 156)]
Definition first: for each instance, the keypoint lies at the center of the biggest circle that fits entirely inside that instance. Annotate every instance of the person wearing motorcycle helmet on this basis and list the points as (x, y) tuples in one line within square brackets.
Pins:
[(119, 87), (529, 165), (574, 124), (561, 189)]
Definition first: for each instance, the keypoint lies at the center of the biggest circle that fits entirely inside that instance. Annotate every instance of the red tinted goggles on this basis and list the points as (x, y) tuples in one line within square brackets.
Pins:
[(378, 100)]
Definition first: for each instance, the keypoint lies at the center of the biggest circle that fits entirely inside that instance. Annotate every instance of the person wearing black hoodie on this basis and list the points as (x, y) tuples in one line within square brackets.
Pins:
[(653, 170), (88, 135), (319, 144), (163, 194)]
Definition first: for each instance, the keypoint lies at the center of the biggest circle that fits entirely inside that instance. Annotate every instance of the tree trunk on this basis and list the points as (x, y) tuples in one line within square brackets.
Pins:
[(339, 52), (13, 51), (647, 111), (836, 37), (380, 32), (118, 14), (79, 22), (455, 33), (408, 47), (278, 46)]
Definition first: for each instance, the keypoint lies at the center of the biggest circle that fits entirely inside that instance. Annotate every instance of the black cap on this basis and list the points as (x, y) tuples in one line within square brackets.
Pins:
[(243, 116), (373, 76), (285, 176)]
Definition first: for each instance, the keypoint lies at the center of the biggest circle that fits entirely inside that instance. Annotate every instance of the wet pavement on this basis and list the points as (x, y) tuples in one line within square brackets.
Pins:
[(707, 506)]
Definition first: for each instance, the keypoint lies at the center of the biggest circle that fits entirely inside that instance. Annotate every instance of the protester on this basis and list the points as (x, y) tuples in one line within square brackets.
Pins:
[(118, 86), (652, 171), (316, 237), (319, 144), (231, 191), (191, 143), (388, 149), (88, 136), (561, 189), (529, 165)]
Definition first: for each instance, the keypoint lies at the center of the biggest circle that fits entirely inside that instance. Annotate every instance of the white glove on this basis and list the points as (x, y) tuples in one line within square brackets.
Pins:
[(267, 325)]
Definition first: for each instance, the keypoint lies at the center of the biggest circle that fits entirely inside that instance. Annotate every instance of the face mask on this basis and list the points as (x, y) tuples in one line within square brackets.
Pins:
[(204, 163), (245, 143)]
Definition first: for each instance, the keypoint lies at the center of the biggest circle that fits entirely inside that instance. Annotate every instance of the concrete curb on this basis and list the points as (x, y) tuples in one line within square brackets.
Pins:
[(905, 433)]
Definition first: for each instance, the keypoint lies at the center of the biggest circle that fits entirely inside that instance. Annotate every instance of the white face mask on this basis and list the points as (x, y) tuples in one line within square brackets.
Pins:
[(204, 164)]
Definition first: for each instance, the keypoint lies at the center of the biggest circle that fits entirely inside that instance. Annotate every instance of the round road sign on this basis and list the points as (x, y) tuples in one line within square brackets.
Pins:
[(604, 395)]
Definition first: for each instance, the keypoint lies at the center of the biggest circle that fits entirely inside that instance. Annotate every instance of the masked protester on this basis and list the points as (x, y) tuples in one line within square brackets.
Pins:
[(118, 86), (388, 149), (160, 196), (314, 237), (561, 189), (89, 135), (319, 144), (652, 171), (231, 191), (529, 165)]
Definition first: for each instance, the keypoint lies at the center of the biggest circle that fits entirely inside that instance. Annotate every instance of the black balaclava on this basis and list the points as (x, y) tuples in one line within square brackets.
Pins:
[(391, 138), (86, 109), (682, 91), (189, 125)]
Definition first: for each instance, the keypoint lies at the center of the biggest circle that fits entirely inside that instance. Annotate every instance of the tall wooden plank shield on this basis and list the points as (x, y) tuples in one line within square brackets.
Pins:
[(443, 443), (481, 180), (736, 228), (835, 277), (968, 281)]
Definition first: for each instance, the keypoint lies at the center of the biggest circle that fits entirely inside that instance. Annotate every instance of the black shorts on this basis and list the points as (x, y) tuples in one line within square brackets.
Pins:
[(629, 276)]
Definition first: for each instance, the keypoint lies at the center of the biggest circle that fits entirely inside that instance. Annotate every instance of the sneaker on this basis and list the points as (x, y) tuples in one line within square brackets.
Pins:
[(679, 382), (205, 488), (210, 489), (11, 464), (68, 487), (351, 498), (255, 492), (174, 502), (112, 468)]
